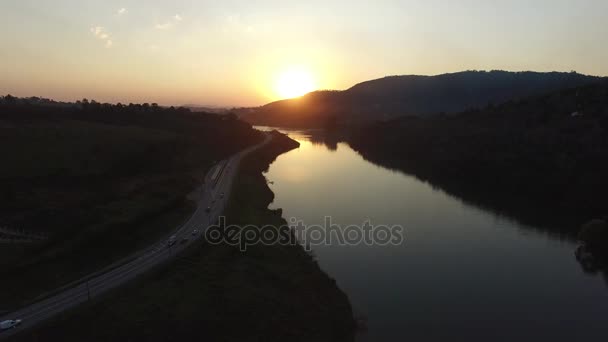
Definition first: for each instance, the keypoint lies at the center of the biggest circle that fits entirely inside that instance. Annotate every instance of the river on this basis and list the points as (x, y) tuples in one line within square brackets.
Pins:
[(462, 273)]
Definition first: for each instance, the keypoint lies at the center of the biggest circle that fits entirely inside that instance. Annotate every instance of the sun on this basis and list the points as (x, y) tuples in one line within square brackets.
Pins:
[(294, 83)]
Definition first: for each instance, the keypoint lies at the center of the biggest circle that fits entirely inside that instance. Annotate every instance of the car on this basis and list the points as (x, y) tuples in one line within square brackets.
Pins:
[(172, 240), (195, 232), (9, 324), (184, 240), (208, 209), (222, 195)]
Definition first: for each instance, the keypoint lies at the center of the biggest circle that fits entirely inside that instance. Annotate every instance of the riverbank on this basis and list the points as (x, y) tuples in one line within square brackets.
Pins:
[(540, 160), (216, 292), (300, 302)]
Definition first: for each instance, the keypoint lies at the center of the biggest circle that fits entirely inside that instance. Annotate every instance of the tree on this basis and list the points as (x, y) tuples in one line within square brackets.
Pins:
[(10, 99), (231, 116)]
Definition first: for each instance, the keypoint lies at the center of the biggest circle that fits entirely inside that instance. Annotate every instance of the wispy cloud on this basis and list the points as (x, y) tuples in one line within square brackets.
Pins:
[(164, 26), (169, 24), (100, 33), (97, 30), (122, 11)]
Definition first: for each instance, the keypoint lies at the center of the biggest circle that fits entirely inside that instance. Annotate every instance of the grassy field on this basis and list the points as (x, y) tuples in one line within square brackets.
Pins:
[(99, 185), (218, 293)]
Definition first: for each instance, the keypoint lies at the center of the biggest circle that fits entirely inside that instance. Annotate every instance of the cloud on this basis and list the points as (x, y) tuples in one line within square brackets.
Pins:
[(164, 26), (169, 24), (100, 33), (122, 11), (97, 30)]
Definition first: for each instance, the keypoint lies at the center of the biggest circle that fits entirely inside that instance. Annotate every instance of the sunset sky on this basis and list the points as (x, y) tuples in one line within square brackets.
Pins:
[(248, 53)]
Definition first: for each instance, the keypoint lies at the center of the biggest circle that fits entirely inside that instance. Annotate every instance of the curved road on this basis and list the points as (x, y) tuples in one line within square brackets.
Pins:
[(217, 181)]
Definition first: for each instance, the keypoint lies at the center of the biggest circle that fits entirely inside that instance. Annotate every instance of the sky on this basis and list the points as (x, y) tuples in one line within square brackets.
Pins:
[(236, 53)]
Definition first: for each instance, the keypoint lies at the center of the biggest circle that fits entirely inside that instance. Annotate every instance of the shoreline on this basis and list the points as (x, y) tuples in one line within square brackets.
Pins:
[(271, 292), (325, 311)]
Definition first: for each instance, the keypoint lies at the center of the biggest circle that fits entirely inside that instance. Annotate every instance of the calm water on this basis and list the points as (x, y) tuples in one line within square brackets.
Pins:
[(462, 273)]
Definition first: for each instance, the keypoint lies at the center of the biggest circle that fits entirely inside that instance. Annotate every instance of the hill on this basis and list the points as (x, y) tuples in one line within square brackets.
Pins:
[(97, 181), (543, 159), (390, 97)]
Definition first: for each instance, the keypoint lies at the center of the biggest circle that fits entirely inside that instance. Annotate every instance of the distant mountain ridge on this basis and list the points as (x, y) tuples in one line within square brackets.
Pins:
[(395, 96)]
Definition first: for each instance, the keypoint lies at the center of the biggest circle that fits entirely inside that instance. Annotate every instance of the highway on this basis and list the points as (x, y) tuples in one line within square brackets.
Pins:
[(217, 181)]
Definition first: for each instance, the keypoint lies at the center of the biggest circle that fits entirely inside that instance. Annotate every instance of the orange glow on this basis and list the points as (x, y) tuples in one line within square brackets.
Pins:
[(294, 82)]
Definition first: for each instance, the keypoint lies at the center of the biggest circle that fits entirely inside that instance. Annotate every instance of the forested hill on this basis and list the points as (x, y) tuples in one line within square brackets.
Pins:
[(395, 96), (541, 158)]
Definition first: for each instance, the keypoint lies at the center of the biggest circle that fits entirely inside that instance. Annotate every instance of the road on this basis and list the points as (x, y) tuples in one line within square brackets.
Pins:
[(217, 181)]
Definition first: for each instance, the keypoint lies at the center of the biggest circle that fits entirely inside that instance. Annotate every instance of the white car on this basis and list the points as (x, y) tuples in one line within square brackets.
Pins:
[(8, 324)]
